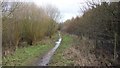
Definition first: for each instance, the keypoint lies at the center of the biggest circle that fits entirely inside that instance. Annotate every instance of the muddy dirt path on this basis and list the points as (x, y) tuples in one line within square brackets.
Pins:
[(45, 59)]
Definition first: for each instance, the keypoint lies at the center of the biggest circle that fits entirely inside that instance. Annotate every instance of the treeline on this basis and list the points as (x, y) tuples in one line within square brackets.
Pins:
[(101, 23), (26, 22)]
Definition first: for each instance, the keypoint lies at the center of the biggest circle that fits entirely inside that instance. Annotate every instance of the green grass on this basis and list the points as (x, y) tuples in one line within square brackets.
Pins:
[(21, 56), (27, 55), (58, 58)]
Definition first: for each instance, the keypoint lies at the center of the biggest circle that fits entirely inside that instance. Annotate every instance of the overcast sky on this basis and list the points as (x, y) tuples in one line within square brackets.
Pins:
[(68, 8)]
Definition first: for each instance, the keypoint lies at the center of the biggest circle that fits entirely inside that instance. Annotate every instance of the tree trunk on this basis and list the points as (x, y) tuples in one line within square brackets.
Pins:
[(115, 44), (16, 45), (50, 36)]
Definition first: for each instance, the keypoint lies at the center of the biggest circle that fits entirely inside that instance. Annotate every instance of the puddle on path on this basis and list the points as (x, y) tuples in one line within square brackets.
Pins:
[(45, 59)]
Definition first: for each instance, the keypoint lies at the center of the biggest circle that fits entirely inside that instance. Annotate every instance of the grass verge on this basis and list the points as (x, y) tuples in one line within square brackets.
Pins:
[(26, 55), (58, 58)]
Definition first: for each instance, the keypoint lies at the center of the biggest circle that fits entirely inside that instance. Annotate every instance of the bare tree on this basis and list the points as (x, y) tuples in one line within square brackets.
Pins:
[(53, 12), (54, 17)]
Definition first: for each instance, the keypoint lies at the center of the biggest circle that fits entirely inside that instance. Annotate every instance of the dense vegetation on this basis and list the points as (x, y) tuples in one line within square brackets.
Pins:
[(29, 32), (26, 23), (100, 23)]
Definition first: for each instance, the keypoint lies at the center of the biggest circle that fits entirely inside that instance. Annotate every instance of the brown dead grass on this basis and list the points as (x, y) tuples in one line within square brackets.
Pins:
[(82, 53)]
